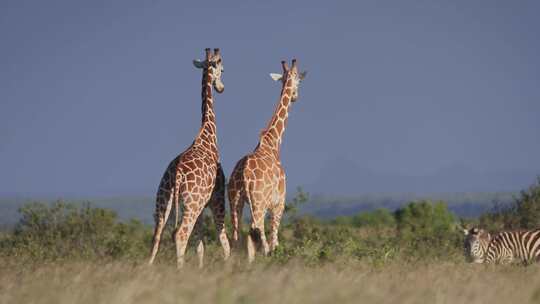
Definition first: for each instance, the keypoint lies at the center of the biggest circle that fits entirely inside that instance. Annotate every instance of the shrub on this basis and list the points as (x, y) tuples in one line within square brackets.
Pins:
[(500, 217), (528, 206), (424, 220), (427, 229), (64, 230), (523, 213), (292, 207), (379, 218)]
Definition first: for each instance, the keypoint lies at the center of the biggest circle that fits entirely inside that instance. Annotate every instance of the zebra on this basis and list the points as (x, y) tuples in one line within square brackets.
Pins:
[(502, 248)]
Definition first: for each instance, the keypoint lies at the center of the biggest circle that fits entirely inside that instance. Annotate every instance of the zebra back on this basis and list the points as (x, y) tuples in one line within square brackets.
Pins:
[(507, 246)]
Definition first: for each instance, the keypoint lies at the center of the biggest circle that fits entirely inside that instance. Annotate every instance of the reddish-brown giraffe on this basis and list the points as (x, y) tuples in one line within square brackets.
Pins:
[(259, 178), (195, 177)]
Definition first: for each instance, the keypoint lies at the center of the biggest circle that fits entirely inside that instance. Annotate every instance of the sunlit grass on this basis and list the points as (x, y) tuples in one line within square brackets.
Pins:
[(266, 282)]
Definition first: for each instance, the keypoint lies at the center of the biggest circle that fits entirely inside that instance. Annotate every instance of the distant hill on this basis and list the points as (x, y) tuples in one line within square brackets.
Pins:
[(322, 206), (468, 205), (344, 177)]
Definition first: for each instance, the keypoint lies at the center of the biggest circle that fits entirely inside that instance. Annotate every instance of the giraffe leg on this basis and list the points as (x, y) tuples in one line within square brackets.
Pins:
[(259, 227), (256, 233), (239, 213), (237, 206), (250, 248), (199, 225), (217, 205), (218, 212), (236, 192), (161, 220), (189, 217), (236, 201), (275, 220), (256, 236)]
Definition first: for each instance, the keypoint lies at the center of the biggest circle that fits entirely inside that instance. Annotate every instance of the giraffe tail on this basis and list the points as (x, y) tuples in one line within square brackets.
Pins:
[(176, 191)]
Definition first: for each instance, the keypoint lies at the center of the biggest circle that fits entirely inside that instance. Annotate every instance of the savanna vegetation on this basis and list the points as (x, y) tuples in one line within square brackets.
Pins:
[(409, 255)]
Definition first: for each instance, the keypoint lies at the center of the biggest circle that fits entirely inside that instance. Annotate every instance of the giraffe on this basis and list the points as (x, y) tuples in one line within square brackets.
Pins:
[(258, 178), (195, 177)]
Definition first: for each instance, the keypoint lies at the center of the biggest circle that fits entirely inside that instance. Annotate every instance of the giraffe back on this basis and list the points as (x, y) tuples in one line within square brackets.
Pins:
[(197, 168)]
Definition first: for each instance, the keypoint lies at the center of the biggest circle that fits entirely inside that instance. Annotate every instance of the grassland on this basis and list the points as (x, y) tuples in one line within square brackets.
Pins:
[(73, 253), (234, 282)]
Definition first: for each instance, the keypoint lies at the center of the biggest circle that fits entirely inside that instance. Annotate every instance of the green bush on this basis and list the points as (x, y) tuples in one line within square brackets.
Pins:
[(292, 207), (523, 213), (418, 231), (66, 230), (378, 219), (315, 242), (528, 206), (500, 217), (427, 229)]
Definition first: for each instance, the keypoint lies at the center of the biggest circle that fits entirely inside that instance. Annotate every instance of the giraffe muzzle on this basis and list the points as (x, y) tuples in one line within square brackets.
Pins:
[(219, 86)]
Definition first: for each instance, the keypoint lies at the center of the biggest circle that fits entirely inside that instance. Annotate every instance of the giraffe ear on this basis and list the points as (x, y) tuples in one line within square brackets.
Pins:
[(198, 64), (465, 231), (276, 77), (303, 75)]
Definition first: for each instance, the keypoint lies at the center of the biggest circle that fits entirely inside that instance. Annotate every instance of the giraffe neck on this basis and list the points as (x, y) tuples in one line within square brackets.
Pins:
[(271, 136), (207, 134)]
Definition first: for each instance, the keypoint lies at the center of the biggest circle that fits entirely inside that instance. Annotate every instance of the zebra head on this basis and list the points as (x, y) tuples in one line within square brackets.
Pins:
[(476, 244)]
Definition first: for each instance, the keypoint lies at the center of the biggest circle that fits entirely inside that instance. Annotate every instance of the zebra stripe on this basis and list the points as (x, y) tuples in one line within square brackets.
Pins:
[(504, 247)]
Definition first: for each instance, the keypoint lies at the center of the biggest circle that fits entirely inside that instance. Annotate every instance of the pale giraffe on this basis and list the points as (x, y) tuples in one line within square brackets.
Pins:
[(258, 178), (195, 177)]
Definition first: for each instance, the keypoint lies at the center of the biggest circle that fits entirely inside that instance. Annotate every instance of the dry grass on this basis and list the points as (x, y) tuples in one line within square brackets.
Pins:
[(340, 282)]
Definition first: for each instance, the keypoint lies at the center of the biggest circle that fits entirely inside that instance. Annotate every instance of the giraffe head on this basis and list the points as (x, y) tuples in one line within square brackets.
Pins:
[(290, 78), (214, 66)]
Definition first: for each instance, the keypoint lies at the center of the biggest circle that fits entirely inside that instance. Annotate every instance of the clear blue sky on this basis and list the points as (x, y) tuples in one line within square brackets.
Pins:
[(96, 97)]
